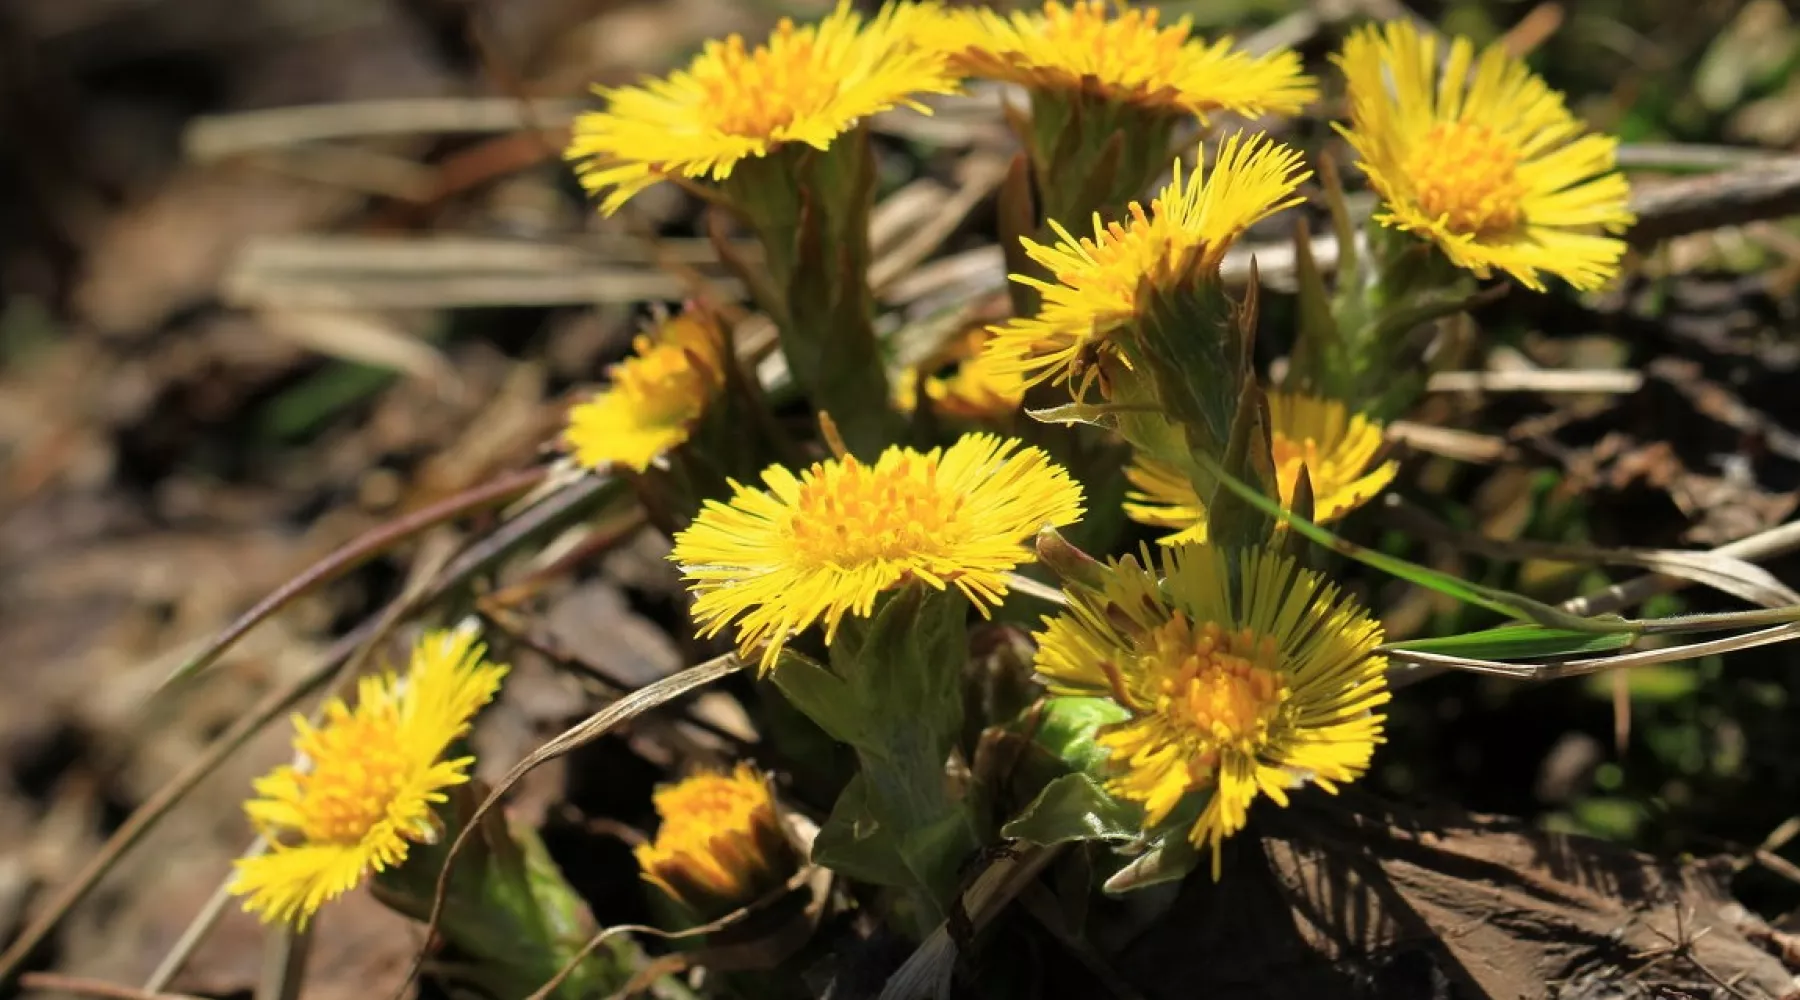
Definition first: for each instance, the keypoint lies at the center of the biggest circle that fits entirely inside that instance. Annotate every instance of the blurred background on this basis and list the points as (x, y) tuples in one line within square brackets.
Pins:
[(275, 272)]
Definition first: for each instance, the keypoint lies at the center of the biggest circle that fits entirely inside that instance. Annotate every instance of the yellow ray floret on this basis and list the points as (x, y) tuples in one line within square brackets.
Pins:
[(1099, 285), (828, 542), (1237, 689), (655, 397), (367, 781), (806, 84), (1483, 158), (1334, 446), (1126, 57), (720, 845)]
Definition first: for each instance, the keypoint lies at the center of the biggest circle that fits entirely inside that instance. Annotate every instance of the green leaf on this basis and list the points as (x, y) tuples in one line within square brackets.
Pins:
[(1230, 521), (820, 694), (894, 693), (1102, 415), (853, 842), (1170, 858), (1075, 807), (1517, 642), (1188, 343), (1067, 727), (1316, 336), (1509, 604)]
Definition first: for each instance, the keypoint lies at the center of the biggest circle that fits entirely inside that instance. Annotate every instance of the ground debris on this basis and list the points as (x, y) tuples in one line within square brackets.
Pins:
[(1333, 902)]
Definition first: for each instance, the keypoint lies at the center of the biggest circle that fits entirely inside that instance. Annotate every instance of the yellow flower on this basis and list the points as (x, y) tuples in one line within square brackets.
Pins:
[(1127, 58), (1321, 435), (1258, 687), (367, 779), (720, 845), (1099, 285), (655, 397), (974, 391), (828, 542), (805, 84), (1483, 158)]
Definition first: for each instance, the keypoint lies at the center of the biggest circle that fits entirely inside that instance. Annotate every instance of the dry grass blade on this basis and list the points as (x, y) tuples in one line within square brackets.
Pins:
[(819, 878), (355, 553), (984, 174), (212, 137), (363, 338), (566, 503), (1556, 380), (1715, 569), (926, 972), (592, 728), (1579, 668), (167, 797), (284, 964)]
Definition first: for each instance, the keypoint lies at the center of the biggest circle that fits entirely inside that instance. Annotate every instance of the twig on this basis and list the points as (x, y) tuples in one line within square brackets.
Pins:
[(356, 552), (592, 728), (1763, 191), (476, 559), (83, 986), (504, 623), (1686, 157), (166, 798), (198, 928)]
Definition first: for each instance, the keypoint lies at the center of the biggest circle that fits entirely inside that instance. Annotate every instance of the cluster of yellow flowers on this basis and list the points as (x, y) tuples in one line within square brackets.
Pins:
[(1239, 673)]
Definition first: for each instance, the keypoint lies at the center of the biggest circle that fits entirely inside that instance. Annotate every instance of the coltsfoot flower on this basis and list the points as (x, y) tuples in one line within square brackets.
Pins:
[(1099, 285), (1482, 158), (828, 542), (720, 845), (655, 397), (1235, 689), (367, 780), (806, 84), (975, 390), (1321, 435), (1126, 57)]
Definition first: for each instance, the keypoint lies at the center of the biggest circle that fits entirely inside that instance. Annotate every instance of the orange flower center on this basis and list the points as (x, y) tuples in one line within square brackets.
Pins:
[(1129, 50), (1468, 176), (666, 388), (359, 769), (858, 514), (753, 93), (1225, 687)]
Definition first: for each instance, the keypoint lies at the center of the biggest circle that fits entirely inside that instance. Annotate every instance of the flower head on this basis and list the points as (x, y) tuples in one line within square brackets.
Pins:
[(1482, 158), (1334, 446), (805, 84), (367, 779), (1098, 286), (829, 541), (1259, 686), (1127, 58), (975, 390), (720, 845), (655, 397)]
